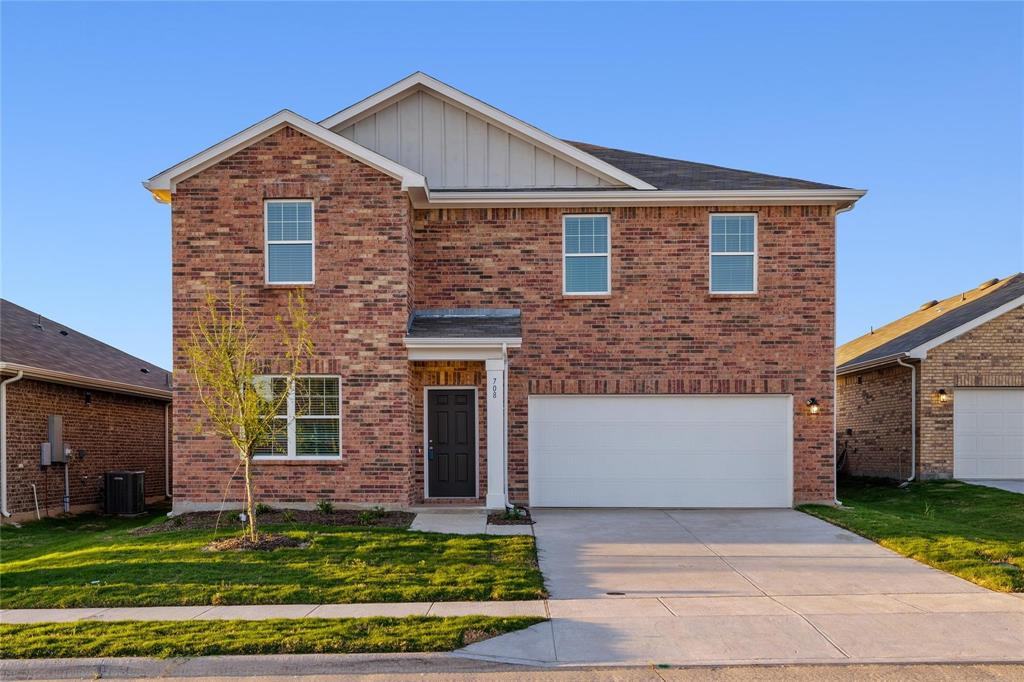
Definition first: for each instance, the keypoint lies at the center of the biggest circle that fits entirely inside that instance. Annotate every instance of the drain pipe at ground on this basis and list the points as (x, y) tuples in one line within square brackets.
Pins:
[(3, 440), (913, 420)]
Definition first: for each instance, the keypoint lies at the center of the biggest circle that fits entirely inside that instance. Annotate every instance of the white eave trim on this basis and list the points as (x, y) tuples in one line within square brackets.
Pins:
[(471, 342), (842, 198), (167, 180), (85, 382), (420, 80), (480, 348)]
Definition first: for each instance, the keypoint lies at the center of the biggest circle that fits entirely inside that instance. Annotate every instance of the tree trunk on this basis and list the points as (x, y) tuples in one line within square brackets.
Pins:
[(250, 507)]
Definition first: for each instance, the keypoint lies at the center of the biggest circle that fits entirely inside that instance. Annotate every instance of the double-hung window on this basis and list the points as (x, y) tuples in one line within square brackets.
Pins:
[(309, 422), (289, 241), (733, 253), (586, 255)]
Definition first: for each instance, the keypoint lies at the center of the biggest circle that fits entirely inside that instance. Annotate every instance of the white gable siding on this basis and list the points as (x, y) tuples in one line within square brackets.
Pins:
[(455, 148)]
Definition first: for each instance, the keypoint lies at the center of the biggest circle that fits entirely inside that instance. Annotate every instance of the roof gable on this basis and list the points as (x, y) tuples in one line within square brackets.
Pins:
[(458, 141), (163, 184), (933, 324)]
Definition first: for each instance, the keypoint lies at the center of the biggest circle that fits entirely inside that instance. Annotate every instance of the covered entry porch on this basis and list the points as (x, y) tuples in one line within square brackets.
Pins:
[(459, 385)]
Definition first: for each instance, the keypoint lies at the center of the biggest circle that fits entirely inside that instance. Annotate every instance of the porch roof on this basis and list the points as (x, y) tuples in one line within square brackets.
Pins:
[(465, 323)]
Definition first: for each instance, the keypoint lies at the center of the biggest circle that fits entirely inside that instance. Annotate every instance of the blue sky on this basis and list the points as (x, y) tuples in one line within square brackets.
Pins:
[(920, 103)]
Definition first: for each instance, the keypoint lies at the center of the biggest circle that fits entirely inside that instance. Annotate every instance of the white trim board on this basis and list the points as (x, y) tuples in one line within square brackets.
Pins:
[(512, 125), (168, 179)]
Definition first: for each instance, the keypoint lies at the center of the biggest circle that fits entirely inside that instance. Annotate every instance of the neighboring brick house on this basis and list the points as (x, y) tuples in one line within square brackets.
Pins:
[(953, 372), (115, 409), (504, 316)]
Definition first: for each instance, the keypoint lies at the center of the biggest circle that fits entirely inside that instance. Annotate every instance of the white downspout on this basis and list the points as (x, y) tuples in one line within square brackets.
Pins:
[(167, 450), (504, 422), (913, 419), (3, 440)]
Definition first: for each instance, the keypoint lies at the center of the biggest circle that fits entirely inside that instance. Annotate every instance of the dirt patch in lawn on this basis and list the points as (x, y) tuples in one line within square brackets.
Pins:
[(229, 520), (504, 519), (263, 542)]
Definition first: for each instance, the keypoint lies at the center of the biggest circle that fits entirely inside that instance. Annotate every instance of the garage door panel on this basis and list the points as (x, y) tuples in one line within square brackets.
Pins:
[(988, 433), (660, 451)]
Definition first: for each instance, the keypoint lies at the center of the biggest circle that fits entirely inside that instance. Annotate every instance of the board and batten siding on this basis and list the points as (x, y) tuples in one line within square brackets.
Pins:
[(455, 148)]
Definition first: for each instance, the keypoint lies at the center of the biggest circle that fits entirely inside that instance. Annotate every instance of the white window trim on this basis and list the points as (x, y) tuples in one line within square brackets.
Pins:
[(712, 252), (311, 241), (607, 254), (292, 417)]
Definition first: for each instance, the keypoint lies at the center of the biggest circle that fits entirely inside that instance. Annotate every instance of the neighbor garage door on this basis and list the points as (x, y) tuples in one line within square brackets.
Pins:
[(661, 451), (988, 433)]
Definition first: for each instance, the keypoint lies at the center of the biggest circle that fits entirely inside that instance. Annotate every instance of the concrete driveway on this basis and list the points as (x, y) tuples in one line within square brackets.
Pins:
[(739, 586)]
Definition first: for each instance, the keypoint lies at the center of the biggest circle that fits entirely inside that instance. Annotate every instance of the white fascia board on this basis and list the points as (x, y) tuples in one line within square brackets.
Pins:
[(842, 199), (470, 342), (420, 80), (429, 350), (169, 178), (921, 352), (80, 381)]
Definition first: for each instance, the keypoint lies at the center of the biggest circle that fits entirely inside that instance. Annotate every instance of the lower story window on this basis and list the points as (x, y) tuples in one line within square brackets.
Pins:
[(309, 423)]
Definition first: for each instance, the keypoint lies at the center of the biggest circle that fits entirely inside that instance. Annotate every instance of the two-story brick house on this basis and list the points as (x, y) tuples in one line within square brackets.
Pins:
[(505, 316)]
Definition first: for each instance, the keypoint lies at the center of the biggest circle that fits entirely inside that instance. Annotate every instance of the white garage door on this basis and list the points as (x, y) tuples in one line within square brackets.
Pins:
[(988, 433), (661, 451)]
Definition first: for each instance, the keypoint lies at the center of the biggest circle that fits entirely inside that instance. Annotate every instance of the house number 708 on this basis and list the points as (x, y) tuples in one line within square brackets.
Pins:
[(494, 388)]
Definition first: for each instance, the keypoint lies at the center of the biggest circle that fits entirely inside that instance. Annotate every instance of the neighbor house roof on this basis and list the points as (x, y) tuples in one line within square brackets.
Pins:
[(933, 323), (674, 174), (45, 349), (465, 323)]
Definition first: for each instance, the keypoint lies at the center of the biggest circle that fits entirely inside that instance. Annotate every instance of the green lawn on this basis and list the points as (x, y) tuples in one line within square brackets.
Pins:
[(971, 531), (94, 561), (160, 639)]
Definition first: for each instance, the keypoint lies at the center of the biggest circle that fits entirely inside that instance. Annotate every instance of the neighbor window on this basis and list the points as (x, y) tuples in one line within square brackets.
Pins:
[(586, 254), (289, 234), (309, 423), (733, 253)]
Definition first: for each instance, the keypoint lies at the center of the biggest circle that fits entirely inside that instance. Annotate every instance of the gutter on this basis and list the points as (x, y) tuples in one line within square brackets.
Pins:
[(86, 382), (3, 441)]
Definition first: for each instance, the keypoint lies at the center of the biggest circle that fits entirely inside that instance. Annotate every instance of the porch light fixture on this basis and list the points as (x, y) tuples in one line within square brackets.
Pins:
[(812, 405), (943, 396)]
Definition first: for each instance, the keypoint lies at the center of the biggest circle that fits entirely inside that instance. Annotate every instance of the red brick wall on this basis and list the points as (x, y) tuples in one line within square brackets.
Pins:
[(659, 331), (988, 356), (360, 302), (875, 405), (117, 432)]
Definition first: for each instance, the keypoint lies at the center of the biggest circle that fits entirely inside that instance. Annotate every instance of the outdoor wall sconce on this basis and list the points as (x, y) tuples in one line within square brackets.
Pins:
[(812, 405), (88, 397), (943, 396)]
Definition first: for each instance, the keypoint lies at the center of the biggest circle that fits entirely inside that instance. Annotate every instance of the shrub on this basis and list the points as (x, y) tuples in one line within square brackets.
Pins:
[(325, 507)]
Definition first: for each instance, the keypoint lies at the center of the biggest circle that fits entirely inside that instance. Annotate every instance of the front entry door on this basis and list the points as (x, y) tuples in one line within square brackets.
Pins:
[(451, 443)]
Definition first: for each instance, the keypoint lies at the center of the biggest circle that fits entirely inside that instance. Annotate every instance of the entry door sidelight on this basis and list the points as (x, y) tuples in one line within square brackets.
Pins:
[(451, 443)]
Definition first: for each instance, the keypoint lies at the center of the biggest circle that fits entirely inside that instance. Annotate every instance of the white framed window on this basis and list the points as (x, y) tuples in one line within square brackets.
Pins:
[(733, 253), (586, 255), (288, 232), (309, 423)]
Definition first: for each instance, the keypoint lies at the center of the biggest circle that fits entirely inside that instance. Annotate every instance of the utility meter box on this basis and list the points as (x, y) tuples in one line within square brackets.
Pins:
[(54, 451)]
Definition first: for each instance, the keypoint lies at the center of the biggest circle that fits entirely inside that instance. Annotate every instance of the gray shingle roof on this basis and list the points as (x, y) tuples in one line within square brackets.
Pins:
[(27, 338), (1013, 289), (465, 323), (674, 174)]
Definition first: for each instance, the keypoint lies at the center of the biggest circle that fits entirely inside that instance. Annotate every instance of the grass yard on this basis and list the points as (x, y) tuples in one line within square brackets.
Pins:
[(95, 561), (88, 639), (971, 531)]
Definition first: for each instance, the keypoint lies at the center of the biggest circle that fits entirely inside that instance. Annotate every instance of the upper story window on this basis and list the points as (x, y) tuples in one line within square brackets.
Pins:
[(309, 422), (289, 235), (733, 253), (586, 254)]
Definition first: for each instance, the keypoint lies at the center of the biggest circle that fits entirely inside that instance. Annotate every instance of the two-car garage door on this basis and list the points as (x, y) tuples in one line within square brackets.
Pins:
[(661, 451)]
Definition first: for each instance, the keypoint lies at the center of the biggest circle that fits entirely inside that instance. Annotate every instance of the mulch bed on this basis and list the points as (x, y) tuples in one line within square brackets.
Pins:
[(264, 543), (229, 520), (499, 519)]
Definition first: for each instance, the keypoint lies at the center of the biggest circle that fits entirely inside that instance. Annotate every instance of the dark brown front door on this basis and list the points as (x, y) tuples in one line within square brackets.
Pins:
[(451, 443)]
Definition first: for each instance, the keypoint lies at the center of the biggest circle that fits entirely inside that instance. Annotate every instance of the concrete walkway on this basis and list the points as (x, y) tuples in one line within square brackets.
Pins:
[(1010, 486), (464, 522)]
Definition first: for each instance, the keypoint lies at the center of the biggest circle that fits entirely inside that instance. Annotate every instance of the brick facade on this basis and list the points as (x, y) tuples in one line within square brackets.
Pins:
[(117, 432), (659, 331), (875, 407), (878, 408)]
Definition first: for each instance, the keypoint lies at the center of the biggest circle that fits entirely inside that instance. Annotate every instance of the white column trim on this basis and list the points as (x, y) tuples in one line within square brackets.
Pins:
[(497, 409)]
